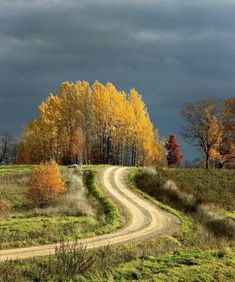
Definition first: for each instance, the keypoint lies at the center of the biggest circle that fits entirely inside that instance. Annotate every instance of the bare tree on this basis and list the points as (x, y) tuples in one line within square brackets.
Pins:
[(203, 126), (7, 149)]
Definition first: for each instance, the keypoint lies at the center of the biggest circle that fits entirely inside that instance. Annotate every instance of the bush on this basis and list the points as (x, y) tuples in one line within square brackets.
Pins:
[(44, 185), (72, 258)]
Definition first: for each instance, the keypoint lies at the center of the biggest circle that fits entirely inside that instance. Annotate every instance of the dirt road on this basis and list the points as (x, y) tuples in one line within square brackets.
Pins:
[(144, 219)]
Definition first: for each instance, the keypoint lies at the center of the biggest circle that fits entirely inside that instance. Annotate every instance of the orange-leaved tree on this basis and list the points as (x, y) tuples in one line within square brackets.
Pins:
[(45, 184)]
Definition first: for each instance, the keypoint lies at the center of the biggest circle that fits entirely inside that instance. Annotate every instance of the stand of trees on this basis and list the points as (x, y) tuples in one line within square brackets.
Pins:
[(96, 123)]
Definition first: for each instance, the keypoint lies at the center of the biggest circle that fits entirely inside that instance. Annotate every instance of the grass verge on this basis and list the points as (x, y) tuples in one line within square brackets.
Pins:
[(112, 219), (187, 232)]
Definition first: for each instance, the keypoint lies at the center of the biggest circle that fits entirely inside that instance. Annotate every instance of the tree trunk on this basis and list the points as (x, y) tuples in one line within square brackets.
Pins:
[(207, 160)]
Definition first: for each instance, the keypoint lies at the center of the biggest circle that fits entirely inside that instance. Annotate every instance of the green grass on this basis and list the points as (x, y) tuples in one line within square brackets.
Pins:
[(188, 265), (21, 232), (14, 169), (21, 169), (159, 259), (208, 186), (13, 189)]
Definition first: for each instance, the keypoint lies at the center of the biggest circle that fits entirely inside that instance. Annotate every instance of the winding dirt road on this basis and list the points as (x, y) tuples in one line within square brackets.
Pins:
[(144, 219)]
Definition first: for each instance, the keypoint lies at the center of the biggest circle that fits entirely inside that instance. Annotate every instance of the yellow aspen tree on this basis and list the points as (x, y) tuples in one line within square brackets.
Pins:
[(212, 132), (98, 124), (86, 108), (101, 120)]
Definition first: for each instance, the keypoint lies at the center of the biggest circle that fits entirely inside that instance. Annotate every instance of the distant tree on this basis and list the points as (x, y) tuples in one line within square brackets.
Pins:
[(21, 154), (174, 156), (7, 149), (203, 126), (45, 184)]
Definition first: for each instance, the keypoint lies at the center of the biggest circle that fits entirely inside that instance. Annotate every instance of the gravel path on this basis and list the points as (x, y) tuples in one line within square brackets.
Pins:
[(145, 219)]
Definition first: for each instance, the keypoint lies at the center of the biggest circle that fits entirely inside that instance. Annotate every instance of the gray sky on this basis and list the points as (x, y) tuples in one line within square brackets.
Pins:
[(171, 51)]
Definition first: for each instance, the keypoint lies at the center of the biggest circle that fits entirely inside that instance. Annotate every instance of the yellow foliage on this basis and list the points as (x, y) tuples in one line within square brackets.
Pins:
[(213, 135), (97, 124)]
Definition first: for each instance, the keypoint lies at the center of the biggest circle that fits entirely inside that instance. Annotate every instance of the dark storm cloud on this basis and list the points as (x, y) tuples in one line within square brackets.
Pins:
[(171, 51)]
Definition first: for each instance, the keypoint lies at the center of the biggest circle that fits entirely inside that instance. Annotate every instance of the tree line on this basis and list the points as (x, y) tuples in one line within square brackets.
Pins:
[(96, 124)]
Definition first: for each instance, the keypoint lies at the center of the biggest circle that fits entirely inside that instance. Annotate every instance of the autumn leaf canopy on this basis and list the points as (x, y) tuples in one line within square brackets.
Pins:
[(91, 124)]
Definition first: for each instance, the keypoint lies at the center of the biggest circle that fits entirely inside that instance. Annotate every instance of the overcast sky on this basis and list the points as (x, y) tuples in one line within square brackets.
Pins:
[(171, 51)]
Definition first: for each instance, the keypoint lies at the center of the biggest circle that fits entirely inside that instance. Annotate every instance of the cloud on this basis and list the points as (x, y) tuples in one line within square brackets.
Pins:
[(171, 51)]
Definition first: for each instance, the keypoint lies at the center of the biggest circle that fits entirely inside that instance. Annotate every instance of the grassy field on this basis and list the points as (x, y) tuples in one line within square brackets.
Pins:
[(187, 265), (159, 259), (216, 187), (76, 214), (194, 254), (14, 169), (21, 232), (210, 204)]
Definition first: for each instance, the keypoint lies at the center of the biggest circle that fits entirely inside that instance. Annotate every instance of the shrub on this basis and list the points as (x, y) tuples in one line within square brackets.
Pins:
[(72, 258), (44, 185)]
